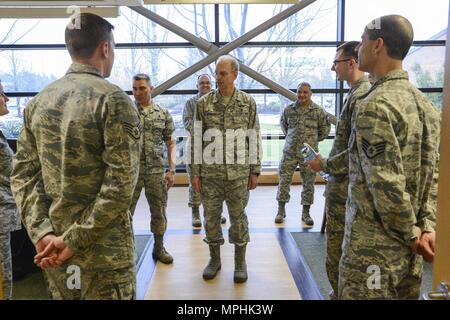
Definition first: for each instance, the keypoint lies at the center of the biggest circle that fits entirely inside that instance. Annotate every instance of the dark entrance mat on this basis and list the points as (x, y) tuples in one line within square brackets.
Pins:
[(312, 246)]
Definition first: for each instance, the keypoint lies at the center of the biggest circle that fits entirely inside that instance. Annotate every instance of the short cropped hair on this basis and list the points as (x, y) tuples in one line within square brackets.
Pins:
[(204, 75), (83, 38), (304, 84), (349, 49), (142, 76), (397, 33), (233, 61)]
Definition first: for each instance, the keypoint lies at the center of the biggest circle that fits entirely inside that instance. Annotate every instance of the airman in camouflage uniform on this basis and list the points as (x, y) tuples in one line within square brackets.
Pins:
[(204, 86), (393, 155), (158, 129), (346, 67), (75, 171), (302, 122), (9, 219), (228, 175)]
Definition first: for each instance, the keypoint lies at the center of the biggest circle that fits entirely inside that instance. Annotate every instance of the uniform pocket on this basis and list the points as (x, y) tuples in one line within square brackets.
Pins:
[(292, 121)]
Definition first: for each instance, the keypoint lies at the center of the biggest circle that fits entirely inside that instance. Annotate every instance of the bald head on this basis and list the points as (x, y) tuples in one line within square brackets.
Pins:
[(396, 32)]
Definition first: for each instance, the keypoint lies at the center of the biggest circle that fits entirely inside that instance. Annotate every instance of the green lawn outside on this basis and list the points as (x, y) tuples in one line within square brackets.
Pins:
[(273, 150)]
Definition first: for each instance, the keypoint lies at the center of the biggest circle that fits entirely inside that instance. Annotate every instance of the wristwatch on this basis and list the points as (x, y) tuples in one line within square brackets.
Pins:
[(171, 170)]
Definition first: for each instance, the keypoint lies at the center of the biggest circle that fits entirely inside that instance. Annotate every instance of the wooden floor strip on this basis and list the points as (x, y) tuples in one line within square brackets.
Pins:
[(269, 275), (277, 270)]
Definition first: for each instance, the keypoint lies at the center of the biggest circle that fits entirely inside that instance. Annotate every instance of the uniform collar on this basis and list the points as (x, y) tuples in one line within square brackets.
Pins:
[(360, 81), (83, 68), (392, 75), (308, 108), (218, 97), (141, 109)]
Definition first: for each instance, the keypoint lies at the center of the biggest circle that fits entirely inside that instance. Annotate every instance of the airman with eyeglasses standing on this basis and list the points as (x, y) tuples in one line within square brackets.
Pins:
[(204, 86), (336, 165)]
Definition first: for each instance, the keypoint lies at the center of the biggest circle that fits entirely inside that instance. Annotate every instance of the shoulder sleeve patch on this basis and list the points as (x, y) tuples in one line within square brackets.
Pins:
[(132, 129), (373, 150)]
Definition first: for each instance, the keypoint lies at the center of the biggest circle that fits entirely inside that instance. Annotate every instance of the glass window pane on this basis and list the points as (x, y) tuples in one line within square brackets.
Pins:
[(30, 70), (314, 23), (198, 19), (429, 21), (160, 64), (426, 66), (288, 66), (325, 147), (32, 31), (175, 105), (437, 99), (11, 123), (272, 152), (269, 109), (129, 26)]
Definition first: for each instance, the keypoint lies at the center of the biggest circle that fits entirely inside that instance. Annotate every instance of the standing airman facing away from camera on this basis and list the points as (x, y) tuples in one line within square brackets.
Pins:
[(75, 170)]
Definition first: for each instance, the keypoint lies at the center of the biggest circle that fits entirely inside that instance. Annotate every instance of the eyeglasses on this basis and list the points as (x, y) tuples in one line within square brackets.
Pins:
[(141, 76), (342, 60), (204, 83)]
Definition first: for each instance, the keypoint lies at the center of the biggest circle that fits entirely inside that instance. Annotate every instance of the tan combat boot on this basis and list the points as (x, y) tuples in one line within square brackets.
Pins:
[(196, 221), (240, 267), (306, 218), (281, 212), (214, 263), (159, 252)]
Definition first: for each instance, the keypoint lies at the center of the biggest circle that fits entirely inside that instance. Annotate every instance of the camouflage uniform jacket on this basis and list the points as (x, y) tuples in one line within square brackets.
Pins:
[(239, 114), (77, 165), (337, 162), (158, 129), (189, 112), (9, 219), (393, 159), (301, 125)]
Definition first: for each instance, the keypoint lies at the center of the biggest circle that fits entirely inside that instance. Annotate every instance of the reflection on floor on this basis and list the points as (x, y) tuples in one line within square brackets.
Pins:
[(271, 275)]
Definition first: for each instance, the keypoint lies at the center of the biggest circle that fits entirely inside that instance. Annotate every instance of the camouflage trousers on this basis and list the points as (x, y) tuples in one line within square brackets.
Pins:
[(156, 194), (6, 267), (117, 284), (375, 266), (195, 199), (335, 198), (287, 167), (235, 194)]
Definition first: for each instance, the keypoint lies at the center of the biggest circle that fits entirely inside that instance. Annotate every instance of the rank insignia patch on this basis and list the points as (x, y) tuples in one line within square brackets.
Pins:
[(373, 150), (132, 130)]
